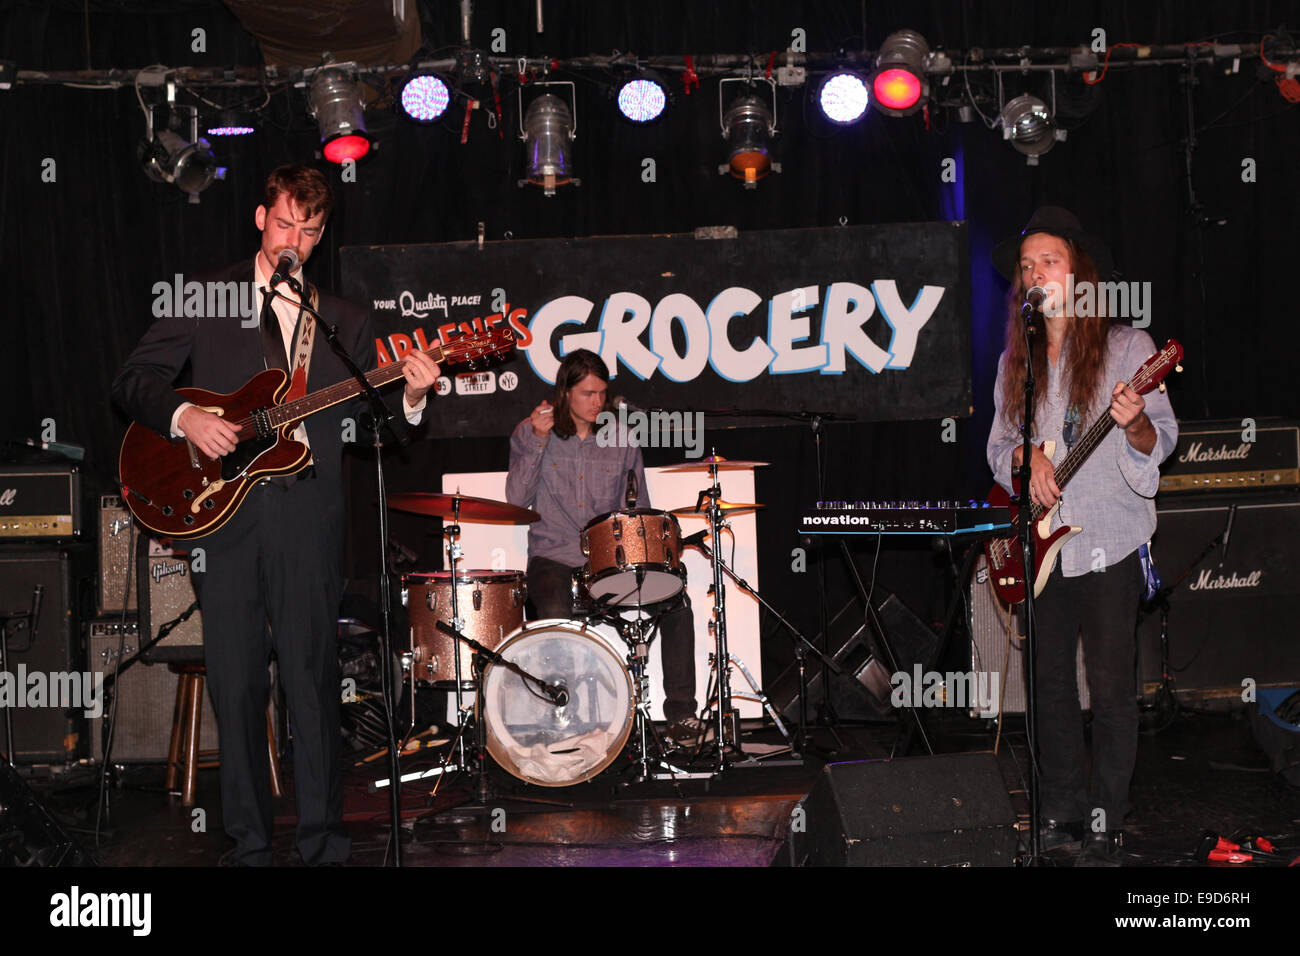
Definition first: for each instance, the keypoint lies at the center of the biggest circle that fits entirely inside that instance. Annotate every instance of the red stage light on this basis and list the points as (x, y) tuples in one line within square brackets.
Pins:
[(896, 89), (342, 148)]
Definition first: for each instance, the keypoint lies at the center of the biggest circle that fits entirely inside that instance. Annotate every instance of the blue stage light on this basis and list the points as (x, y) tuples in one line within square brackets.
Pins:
[(641, 100), (425, 97), (843, 98)]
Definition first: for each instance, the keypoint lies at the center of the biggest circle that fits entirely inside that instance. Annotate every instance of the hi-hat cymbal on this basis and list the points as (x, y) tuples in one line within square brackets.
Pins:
[(722, 464), (469, 509), (729, 509)]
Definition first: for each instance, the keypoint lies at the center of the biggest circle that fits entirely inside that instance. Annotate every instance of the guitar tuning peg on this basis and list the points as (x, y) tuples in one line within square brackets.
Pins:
[(1178, 368), (1162, 386)]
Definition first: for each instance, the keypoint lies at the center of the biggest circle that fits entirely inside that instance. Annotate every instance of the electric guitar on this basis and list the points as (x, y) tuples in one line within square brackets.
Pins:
[(176, 491), (1005, 560)]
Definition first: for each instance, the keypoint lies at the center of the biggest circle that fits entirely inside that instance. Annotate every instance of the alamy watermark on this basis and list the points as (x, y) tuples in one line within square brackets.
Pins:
[(965, 689), (657, 429), (65, 690), (207, 300), (1116, 300)]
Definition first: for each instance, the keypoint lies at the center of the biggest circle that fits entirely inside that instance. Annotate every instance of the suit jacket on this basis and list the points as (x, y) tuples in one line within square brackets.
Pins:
[(224, 354)]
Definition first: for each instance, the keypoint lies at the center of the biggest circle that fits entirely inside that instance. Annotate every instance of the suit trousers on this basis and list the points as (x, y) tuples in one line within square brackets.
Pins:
[(273, 582)]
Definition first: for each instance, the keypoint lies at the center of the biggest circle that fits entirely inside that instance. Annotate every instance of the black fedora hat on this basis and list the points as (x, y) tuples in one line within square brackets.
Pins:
[(1057, 222)]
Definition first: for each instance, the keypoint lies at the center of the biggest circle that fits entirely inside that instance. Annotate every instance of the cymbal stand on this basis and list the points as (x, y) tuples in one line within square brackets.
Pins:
[(727, 729), (452, 534)]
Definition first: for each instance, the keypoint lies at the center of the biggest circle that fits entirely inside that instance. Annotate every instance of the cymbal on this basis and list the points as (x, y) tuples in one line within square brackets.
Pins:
[(723, 464), (471, 509), (729, 510)]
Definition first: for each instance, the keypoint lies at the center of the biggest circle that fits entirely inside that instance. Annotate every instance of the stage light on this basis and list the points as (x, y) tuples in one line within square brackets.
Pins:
[(843, 98), (899, 86), (547, 131), (167, 157), (229, 123), (1028, 124), (642, 99), (748, 126), (336, 106), (425, 97)]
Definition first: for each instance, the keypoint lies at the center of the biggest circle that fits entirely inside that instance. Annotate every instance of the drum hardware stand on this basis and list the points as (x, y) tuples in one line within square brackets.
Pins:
[(634, 635), (727, 722)]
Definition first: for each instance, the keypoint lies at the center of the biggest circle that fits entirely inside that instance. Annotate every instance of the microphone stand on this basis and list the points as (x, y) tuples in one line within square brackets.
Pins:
[(381, 417), (1026, 535)]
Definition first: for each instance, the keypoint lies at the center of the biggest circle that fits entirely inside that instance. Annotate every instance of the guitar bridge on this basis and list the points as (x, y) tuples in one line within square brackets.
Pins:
[(262, 422)]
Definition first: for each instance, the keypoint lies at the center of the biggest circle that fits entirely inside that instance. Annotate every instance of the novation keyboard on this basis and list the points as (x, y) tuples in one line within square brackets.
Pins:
[(902, 517)]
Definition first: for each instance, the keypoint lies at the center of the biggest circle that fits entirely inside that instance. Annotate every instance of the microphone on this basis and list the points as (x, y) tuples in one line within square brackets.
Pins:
[(631, 494), (284, 267), (558, 694), (1227, 533), (694, 539), (66, 449), (1034, 299)]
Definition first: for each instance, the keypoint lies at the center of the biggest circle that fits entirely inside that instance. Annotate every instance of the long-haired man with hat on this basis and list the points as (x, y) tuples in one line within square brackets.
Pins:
[(1082, 359)]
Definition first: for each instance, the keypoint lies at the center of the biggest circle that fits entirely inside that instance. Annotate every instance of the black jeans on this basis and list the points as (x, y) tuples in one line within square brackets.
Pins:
[(1103, 606), (549, 591)]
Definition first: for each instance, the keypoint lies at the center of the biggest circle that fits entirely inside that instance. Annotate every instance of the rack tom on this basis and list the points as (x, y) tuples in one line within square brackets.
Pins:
[(491, 605), (633, 558)]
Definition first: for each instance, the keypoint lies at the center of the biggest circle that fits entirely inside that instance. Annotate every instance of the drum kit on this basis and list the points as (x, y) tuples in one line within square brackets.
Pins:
[(554, 702)]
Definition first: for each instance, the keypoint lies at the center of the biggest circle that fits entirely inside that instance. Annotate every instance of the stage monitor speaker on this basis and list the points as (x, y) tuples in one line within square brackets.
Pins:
[(117, 581), (862, 691), (990, 653), (166, 593), (45, 676), (145, 696), (946, 810), (29, 836), (1231, 618)]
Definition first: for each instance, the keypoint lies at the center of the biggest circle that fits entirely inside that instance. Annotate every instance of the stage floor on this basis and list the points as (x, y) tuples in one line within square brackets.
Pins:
[(1201, 772)]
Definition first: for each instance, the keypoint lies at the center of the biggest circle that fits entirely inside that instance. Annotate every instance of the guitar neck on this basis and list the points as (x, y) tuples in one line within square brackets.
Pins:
[(342, 391), (1077, 455)]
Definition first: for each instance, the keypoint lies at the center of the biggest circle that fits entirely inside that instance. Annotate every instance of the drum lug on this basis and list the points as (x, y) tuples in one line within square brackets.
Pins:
[(582, 543), (478, 600), (518, 595), (618, 530), (620, 558), (405, 597), (431, 599)]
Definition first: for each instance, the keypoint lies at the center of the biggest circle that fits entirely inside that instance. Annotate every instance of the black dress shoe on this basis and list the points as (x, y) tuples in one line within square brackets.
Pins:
[(1054, 833), (1101, 848)]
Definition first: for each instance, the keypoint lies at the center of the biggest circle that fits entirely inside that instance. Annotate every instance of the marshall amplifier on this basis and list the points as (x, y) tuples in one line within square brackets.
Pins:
[(1227, 456), (40, 502), (166, 594), (1232, 616)]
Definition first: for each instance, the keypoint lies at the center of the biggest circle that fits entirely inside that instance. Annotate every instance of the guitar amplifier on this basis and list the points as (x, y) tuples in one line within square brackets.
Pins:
[(144, 696), (166, 593), (1215, 456), (989, 653), (40, 502), (117, 581)]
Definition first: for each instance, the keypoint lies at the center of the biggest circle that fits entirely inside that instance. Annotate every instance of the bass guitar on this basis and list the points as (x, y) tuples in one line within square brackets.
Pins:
[(1005, 560)]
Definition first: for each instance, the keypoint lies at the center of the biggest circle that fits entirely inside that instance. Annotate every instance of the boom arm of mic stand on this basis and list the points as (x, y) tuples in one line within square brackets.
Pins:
[(496, 658)]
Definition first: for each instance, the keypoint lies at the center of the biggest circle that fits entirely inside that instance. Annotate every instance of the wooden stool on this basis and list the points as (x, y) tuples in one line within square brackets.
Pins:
[(184, 758)]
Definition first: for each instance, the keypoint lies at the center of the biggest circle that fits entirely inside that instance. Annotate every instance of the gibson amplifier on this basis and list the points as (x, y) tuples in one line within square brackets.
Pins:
[(1225, 456), (166, 593), (40, 501)]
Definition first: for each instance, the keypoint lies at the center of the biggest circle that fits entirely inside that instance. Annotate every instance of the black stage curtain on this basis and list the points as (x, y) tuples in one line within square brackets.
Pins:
[(81, 254)]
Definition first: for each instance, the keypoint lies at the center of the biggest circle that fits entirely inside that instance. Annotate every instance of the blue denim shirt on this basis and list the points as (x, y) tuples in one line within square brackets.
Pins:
[(569, 482), (1112, 494)]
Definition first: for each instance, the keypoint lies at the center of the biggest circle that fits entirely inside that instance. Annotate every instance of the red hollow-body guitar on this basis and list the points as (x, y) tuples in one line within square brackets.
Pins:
[(176, 491), (1006, 565)]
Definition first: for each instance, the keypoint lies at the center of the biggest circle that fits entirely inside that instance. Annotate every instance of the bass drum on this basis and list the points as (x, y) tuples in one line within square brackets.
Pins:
[(532, 738)]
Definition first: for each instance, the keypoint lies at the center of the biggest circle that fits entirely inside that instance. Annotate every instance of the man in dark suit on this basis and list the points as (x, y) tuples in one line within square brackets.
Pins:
[(273, 572)]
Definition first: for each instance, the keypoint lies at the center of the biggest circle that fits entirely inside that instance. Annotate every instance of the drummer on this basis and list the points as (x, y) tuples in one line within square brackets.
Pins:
[(560, 470)]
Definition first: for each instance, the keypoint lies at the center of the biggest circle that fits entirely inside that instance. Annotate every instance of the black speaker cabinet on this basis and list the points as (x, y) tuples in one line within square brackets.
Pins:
[(29, 836), (44, 677), (862, 690), (1232, 619), (947, 810)]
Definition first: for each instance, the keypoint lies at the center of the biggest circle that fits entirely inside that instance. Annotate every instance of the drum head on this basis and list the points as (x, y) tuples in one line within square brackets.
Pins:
[(532, 738)]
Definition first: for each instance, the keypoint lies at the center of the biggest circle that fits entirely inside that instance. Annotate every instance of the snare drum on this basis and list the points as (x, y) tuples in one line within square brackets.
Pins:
[(532, 738), (491, 603), (625, 547)]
